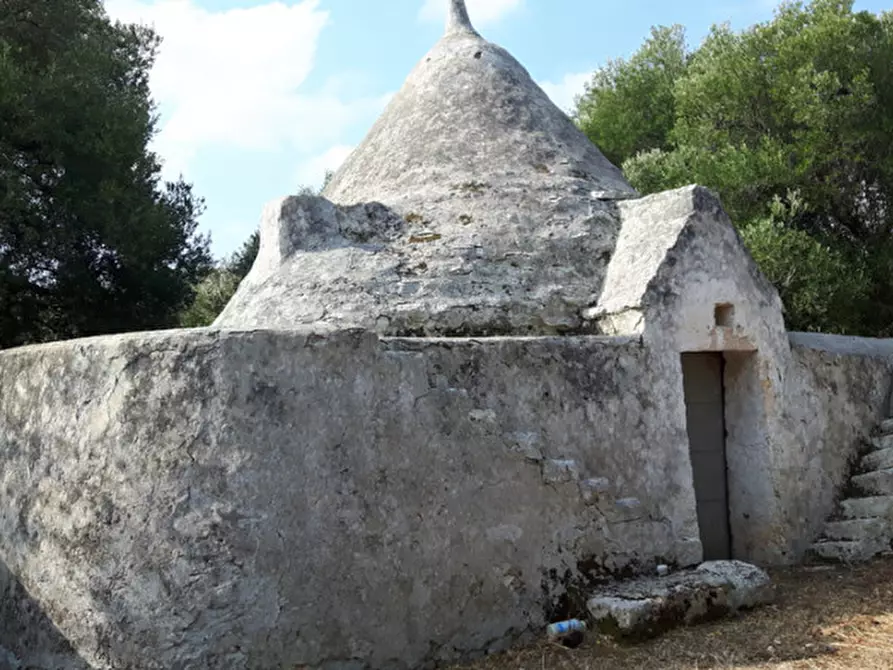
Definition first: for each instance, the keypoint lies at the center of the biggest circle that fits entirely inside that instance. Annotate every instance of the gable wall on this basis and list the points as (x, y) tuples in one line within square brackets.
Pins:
[(796, 417)]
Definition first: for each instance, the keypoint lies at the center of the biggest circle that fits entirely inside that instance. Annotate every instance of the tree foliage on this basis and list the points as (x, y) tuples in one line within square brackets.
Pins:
[(241, 261), (211, 295), (91, 241), (823, 286), (216, 290), (605, 114), (791, 118)]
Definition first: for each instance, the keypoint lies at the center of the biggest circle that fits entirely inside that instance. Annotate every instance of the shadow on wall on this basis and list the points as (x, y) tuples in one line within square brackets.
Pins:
[(28, 638)]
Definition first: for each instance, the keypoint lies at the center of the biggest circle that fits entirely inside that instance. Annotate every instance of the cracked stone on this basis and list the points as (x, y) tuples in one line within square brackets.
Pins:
[(647, 607)]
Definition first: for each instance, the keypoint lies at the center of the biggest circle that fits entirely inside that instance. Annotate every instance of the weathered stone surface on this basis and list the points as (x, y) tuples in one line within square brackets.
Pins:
[(869, 348), (258, 500), (837, 394), (649, 606), (882, 442), (862, 527), (522, 274), (595, 489), (215, 475), (825, 392), (677, 261), (492, 243), (475, 239), (318, 497), (498, 215), (880, 459), (657, 233), (469, 113), (25, 628), (847, 551), (864, 508), (877, 483), (561, 471), (859, 529), (544, 276), (799, 407)]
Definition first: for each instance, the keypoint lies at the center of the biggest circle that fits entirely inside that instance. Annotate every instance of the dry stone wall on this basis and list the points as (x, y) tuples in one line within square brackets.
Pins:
[(245, 500), (839, 391), (248, 499)]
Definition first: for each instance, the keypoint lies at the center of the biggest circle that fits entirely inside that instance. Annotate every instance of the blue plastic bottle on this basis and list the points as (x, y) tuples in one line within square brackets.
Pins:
[(560, 628)]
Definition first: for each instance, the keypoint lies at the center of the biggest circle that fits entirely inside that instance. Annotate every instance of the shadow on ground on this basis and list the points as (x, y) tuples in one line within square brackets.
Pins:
[(28, 638), (825, 618)]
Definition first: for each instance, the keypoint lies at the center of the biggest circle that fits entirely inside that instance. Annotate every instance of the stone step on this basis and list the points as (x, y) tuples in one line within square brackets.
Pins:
[(880, 459), (878, 483), (866, 508), (886, 427), (858, 529), (882, 442), (846, 551)]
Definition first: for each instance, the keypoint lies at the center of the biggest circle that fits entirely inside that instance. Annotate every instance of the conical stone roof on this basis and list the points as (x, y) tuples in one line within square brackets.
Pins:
[(474, 206), (469, 112)]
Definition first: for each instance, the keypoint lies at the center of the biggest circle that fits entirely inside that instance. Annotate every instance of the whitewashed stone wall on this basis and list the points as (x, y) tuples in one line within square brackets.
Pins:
[(245, 500), (258, 499)]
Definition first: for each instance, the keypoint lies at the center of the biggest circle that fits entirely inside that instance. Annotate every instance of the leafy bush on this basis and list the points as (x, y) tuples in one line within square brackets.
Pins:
[(789, 121), (823, 289)]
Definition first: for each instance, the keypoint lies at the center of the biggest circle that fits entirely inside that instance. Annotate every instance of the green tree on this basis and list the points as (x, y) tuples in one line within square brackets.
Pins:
[(822, 286), (305, 189), (629, 106), (91, 241), (790, 117), (211, 295), (802, 106), (241, 261), (215, 290)]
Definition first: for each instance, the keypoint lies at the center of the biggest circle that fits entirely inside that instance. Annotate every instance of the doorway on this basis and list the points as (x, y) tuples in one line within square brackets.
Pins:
[(702, 375)]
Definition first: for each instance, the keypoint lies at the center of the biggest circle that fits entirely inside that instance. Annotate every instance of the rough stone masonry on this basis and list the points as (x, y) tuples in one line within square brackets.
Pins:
[(445, 405)]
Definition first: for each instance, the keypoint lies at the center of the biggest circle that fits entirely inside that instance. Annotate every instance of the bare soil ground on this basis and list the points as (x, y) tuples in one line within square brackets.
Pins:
[(825, 618)]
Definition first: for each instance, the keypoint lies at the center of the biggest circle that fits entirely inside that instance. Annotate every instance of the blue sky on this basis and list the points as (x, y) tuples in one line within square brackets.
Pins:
[(258, 98)]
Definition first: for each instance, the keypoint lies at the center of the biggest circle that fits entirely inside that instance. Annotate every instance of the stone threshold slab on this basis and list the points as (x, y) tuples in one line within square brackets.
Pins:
[(646, 607)]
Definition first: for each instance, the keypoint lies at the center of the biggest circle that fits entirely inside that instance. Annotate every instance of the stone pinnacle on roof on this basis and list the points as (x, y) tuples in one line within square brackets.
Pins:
[(457, 20), (470, 113)]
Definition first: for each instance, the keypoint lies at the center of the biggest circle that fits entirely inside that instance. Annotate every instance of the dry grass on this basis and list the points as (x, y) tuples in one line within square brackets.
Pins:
[(825, 618)]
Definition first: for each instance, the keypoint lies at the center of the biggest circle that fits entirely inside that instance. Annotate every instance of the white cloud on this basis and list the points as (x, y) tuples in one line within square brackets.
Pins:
[(232, 78), (312, 172), (564, 92), (481, 12)]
